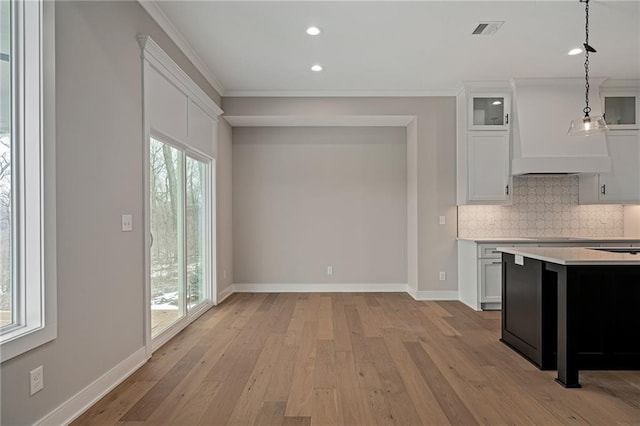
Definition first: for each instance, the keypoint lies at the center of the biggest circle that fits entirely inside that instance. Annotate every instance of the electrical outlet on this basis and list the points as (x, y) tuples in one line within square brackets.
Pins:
[(36, 380), (329, 270), (443, 276)]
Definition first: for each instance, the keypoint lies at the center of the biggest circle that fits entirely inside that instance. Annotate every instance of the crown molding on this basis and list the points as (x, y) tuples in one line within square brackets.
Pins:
[(621, 83), (484, 85), (338, 93), (165, 23), (319, 120)]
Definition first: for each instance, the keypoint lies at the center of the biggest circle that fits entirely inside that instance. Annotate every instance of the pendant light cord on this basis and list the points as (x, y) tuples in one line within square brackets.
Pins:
[(587, 108)]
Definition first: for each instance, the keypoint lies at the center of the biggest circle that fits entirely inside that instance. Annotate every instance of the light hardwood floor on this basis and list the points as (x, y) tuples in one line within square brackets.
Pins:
[(354, 359)]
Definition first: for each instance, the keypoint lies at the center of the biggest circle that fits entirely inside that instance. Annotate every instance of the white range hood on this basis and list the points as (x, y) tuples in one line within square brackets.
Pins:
[(542, 111)]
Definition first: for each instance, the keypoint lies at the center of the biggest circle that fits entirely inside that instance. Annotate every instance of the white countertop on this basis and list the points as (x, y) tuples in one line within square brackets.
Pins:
[(500, 240), (574, 255), (507, 240)]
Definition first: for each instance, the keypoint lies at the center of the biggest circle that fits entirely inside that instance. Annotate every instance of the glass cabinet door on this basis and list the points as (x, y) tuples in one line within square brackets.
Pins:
[(489, 111), (620, 111)]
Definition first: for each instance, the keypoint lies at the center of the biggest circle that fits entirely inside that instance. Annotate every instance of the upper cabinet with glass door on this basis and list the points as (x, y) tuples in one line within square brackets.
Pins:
[(621, 110), (489, 111)]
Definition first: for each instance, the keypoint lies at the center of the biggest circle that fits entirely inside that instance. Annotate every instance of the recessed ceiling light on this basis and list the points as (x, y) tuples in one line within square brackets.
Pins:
[(575, 51), (497, 103), (316, 68), (313, 31)]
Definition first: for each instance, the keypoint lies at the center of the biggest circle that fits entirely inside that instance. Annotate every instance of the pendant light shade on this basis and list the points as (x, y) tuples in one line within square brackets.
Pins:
[(587, 125)]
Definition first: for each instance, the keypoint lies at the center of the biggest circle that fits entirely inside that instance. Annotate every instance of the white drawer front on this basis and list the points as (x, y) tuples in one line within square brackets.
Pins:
[(489, 251)]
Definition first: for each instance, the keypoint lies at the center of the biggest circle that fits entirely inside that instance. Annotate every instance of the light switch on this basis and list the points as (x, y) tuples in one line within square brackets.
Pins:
[(127, 223), (442, 220)]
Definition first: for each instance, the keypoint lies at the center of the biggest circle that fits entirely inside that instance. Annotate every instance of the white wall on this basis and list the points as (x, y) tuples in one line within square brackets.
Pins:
[(99, 177), (223, 207), (434, 166), (305, 198)]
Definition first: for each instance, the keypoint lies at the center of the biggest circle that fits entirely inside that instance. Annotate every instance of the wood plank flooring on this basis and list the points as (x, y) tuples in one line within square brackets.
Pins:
[(354, 359)]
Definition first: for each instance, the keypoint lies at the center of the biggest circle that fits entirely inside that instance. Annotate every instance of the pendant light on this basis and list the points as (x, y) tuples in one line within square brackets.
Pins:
[(587, 125)]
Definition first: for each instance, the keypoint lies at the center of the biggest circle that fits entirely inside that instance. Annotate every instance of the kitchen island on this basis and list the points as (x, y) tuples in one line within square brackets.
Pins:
[(572, 308), (480, 265)]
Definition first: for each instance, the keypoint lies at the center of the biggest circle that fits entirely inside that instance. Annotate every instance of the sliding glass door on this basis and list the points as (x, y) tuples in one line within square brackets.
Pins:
[(196, 232), (179, 234)]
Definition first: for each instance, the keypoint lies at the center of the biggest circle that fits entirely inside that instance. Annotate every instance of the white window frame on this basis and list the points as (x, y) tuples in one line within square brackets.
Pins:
[(33, 167)]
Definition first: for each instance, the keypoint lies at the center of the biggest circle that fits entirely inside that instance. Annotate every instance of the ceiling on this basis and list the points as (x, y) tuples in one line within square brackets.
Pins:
[(395, 48)]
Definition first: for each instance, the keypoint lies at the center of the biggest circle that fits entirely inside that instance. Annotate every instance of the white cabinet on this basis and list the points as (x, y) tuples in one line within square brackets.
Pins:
[(483, 146), (489, 174), (622, 184), (488, 110), (490, 281), (621, 108), (480, 274)]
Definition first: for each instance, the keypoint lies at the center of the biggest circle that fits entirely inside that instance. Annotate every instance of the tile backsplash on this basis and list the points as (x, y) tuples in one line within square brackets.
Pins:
[(542, 207)]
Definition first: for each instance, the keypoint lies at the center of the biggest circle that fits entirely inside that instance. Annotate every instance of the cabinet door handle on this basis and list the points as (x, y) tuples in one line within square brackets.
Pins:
[(603, 189), (506, 189), (506, 119), (497, 262)]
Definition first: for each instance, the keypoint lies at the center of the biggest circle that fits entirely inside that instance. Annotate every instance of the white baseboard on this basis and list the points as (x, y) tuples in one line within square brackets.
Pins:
[(436, 295), (228, 291), (412, 292), (471, 305), (83, 400), (321, 288), (341, 288)]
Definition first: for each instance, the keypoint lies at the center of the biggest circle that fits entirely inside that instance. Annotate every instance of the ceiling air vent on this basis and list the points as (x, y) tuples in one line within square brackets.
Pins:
[(487, 28)]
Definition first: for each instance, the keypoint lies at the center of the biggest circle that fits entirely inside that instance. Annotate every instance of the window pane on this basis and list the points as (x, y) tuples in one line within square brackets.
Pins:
[(488, 111), (167, 294), (7, 293), (196, 231), (620, 109)]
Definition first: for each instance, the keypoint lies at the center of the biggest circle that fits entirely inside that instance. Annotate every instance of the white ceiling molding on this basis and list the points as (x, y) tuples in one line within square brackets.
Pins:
[(319, 120), (339, 93), (618, 83), (159, 16)]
